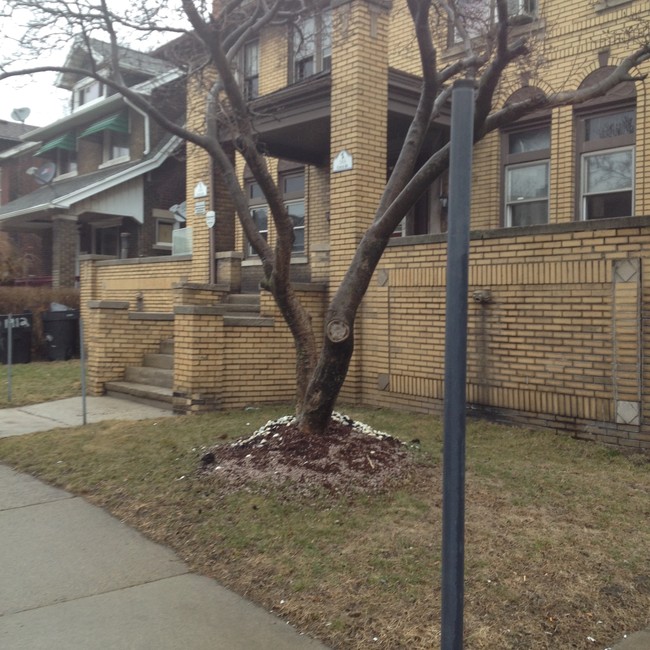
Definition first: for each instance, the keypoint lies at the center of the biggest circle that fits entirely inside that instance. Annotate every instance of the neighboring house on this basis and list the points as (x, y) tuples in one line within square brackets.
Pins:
[(106, 174), (559, 260)]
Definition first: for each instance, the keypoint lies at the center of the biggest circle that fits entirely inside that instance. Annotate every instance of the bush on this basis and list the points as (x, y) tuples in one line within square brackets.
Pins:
[(18, 300)]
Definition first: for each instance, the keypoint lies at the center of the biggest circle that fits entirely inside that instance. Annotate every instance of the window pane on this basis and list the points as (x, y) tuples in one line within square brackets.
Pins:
[(251, 63), (528, 214), (165, 230), (533, 140), (254, 191), (304, 38), (475, 16), (604, 206), (610, 126), (260, 219), (294, 184), (527, 182), (606, 172)]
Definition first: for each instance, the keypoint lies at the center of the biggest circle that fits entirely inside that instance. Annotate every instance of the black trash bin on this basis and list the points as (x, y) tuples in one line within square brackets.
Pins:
[(21, 338), (61, 334)]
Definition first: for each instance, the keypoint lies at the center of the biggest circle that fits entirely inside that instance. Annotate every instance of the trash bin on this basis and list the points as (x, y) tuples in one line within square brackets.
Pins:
[(61, 334), (21, 338)]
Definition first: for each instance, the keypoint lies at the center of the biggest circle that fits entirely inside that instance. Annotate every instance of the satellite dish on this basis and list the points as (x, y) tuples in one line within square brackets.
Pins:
[(20, 114), (44, 174)]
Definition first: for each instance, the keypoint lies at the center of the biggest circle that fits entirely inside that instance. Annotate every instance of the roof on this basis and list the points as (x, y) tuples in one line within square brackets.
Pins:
[(133, 60), (62, 195), (12, 131)]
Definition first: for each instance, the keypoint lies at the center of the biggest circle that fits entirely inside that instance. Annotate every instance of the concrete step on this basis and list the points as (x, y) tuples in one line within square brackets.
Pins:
[(150, 395), (167, 346), (150, 376), (163, 361), (243, 299)]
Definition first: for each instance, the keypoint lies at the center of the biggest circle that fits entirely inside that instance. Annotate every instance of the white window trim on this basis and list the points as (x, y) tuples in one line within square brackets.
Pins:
[(507, 204), (85, 83), (583, 178)]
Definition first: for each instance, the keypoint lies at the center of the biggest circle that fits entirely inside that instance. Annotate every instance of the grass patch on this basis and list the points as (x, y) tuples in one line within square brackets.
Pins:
[(558, 546), (42, 381)]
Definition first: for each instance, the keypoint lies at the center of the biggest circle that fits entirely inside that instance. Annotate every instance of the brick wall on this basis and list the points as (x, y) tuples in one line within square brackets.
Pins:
[(559, 340)]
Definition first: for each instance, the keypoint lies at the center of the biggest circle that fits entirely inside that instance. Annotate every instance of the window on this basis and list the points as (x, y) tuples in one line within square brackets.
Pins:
[(116, 145), (88, 91), (606, 148), (293, 192), (526, 176), (259, 213), (251, 70), (478, 16), (164, 230), (312, 46), (106, 240)]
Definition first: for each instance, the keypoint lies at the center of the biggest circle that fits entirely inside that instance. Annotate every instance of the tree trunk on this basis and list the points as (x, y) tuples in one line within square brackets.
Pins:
[(315, 411)]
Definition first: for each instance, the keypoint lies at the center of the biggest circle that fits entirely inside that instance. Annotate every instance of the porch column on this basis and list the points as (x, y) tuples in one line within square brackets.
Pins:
[(359, 106), (64, 251)]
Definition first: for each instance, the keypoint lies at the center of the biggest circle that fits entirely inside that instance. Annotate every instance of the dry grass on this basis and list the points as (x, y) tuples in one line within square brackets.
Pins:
[(36, 382), (558, 545)]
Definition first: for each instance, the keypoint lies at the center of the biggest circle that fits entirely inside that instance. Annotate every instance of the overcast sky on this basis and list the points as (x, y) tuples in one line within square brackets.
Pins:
[(46, 103)]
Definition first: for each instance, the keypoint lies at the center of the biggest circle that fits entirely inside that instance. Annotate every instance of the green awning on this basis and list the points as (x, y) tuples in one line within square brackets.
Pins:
[(118, 123), (66, 142)]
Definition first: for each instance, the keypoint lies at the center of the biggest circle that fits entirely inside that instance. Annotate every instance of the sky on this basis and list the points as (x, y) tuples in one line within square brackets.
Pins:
[(46, 103)]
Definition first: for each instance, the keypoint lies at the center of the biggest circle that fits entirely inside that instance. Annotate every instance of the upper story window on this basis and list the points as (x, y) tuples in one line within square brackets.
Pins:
[(606, 150), (112, 133), (250, 66), (116, 145), (88, 91), (312, 45), (525, 158), (62, 151), (478, 16)]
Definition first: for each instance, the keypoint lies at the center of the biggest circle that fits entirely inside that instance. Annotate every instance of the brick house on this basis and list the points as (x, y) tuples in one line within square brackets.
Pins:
[(101, 179), (560, 227)]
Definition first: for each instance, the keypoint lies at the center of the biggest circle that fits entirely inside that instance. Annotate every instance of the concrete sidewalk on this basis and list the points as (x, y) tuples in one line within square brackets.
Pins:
[(69, 413), (75, 578)]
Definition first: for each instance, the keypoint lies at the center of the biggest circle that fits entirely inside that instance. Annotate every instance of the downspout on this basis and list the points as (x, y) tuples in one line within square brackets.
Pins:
[(147, 135)]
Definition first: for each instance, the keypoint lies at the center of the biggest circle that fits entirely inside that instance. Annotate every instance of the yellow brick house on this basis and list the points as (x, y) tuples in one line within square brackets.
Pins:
[(560, 230)]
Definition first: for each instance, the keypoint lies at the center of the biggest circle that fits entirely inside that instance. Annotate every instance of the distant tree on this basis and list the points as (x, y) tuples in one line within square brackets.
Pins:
[(210, 40)]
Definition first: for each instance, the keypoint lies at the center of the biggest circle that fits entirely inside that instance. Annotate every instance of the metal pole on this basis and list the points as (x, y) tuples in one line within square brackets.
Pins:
[(10, 353), (82, 354), (453, 490)]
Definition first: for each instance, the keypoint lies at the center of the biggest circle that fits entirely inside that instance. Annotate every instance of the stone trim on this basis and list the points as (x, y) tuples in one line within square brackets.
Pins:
[(166, 259), (150, 315), (108, 304)]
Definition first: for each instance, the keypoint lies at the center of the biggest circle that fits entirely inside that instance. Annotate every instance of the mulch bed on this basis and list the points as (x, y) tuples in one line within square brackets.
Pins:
[(349, 457)]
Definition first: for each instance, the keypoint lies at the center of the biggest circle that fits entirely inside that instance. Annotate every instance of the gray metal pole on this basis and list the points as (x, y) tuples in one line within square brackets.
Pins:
[(82, 354), (10, 353), (453, 490)]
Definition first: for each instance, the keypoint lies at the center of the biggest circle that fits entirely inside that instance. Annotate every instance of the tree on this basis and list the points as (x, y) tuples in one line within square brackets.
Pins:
[(489, 51)]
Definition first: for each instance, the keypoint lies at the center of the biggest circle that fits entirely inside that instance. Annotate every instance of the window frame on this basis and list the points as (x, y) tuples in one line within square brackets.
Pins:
[(602, 146), (250, 82), (510, 161), (295, 198), (322, 45), (82, 88)]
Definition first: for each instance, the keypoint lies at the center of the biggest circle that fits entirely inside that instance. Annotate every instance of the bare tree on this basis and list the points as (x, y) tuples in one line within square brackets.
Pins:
[(488, 49)]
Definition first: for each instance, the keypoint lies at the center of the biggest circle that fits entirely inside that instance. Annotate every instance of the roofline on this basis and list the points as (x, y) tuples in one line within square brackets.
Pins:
[(18, 149), (98, 108), (68, 200)]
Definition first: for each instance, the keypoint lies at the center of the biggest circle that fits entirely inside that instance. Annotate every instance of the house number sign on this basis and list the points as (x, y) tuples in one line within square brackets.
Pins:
[(210, 218), (342, 162), (200, 190)]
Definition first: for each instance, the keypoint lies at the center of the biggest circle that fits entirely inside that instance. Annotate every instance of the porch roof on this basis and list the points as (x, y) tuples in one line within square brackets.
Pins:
[(37, 208), (293, 123)]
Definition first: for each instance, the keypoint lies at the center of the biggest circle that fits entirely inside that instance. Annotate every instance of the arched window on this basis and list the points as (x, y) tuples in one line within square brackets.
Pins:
[(605, 146), (525, 156)]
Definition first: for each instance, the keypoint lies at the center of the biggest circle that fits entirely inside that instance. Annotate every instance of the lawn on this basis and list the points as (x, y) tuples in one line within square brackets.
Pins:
[(558, 542), (39, 381)]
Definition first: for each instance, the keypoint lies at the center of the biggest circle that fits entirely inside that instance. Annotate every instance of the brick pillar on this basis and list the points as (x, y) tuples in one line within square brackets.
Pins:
[(64, 251), (359, 104)]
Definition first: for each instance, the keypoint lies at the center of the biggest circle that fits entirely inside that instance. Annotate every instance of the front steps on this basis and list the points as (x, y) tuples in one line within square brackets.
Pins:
[(152, 383)]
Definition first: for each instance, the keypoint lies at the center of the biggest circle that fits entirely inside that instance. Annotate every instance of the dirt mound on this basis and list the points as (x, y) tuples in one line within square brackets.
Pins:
[(349, 457)]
